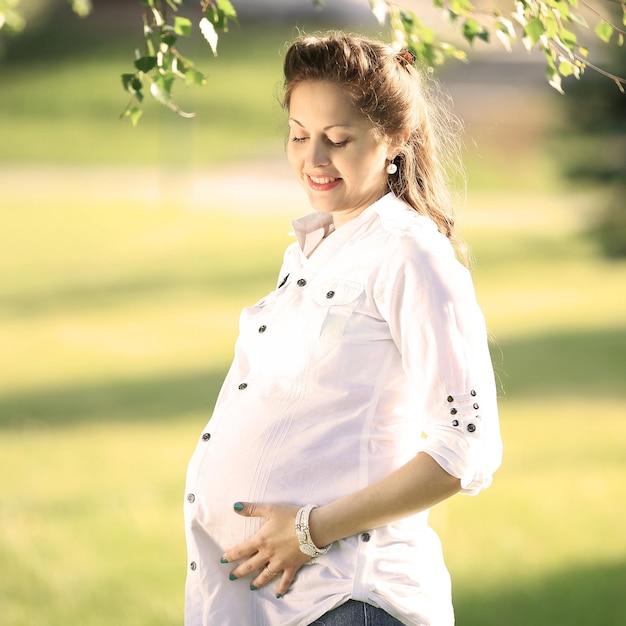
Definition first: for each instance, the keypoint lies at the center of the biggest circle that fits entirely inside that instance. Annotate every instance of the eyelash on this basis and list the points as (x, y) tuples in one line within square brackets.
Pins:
[(338, 144)]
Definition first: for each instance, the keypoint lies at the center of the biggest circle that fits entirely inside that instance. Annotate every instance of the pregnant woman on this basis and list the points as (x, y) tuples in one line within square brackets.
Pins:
[(361, 391)]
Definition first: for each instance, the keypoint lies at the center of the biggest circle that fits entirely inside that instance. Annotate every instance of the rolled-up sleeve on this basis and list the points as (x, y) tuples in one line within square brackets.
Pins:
[(428, 300)]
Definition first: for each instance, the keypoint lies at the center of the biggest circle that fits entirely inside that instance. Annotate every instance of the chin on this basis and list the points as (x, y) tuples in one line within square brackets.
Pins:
[(322, 207)]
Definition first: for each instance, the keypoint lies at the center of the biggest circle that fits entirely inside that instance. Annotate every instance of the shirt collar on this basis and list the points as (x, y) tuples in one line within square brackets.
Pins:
[(312, 228)]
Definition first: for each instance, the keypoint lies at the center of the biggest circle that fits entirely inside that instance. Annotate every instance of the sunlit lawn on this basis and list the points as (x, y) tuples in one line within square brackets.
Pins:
[(119, 299), (117, 324)]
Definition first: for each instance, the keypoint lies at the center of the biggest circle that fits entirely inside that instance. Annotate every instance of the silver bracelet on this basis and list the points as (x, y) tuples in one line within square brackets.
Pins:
[(304, 535)]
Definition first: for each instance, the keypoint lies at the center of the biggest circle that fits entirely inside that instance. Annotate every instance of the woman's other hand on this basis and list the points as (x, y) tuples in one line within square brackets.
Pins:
[(271, 552)]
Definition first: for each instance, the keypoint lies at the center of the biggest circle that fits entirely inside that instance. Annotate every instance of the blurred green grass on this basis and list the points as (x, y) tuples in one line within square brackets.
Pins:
[(117, 321)]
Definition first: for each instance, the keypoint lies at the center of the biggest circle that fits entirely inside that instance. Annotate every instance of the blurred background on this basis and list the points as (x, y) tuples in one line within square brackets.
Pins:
[(126, 255)]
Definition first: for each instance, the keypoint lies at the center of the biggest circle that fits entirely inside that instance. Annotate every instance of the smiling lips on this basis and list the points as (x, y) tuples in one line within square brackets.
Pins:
[(322, 183)]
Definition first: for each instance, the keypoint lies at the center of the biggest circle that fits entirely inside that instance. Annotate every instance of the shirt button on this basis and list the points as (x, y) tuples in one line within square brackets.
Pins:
[(193, 566), (455, 422), (365, 537), (471, 428), (453, 411), (472, 393), (301, 282), (191, 498), (450, 399), (262, 328), (330, 294), (243, 386), (476, 405), (206, 436)]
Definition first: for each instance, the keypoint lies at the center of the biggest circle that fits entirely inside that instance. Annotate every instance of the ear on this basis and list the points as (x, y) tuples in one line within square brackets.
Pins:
[(396, 143)]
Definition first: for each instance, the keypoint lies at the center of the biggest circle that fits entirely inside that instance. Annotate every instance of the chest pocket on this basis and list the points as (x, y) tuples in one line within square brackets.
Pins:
[(336, 302)]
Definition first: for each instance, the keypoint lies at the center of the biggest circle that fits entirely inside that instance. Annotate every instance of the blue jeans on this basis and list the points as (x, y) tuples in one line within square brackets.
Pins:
[(354, 613)]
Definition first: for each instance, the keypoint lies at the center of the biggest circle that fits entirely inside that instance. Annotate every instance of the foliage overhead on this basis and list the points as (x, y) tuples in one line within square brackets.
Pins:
[(550, 26)]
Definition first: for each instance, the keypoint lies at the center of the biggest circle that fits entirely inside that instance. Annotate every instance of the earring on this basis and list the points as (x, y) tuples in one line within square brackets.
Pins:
[(392, 168)]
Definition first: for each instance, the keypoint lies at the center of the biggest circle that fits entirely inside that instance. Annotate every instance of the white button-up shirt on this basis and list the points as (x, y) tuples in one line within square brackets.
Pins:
[(371, 349)]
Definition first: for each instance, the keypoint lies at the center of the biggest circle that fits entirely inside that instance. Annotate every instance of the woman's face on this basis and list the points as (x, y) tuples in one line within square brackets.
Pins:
[(334, 151)]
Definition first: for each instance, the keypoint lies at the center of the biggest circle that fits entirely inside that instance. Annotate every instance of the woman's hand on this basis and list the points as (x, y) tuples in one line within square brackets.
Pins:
[(273, 551)]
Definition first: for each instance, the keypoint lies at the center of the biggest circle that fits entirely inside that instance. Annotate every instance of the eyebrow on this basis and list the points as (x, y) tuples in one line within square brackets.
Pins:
[(291, 119)]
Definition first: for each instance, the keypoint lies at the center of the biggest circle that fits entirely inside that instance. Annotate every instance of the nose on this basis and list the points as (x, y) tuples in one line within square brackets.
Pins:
[(317, 153)]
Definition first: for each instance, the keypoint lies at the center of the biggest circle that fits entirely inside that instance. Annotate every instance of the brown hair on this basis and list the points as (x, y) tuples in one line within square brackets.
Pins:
[(396, 97)]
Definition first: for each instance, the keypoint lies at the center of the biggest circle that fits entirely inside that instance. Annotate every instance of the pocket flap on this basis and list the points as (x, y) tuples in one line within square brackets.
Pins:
[(337, 293)]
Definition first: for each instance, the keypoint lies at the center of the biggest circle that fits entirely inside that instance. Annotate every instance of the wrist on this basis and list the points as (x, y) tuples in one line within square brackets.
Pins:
[(318, 527)]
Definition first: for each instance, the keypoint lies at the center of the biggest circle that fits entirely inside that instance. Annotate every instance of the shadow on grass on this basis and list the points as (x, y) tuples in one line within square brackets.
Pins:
[(161, 397), (576, 364), (227, 283), (577, 597), (590, 363)]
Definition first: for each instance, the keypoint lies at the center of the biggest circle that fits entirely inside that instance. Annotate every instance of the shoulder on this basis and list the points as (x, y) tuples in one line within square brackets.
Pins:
[(408, 234)]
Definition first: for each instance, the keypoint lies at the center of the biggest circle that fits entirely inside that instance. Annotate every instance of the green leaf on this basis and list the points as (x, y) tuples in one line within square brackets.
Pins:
[(133, 85), (145, 64), (562, 8), (193, 77), (134, 113), (166, 82), (506, 26), (551, 25), (554, 79), (549, 59), (604, 31), (168, 39), (534, 29), (568, 38), (127, 79), (579, 19), (472, 29), (460, 7), (408, 20), (229, 10), (566, 68), (182, 26), (219, 13)]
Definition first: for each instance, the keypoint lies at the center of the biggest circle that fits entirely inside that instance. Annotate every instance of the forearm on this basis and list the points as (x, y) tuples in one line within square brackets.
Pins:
[(414, 487)]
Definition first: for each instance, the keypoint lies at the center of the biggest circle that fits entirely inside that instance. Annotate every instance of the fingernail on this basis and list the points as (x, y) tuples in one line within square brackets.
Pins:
[(223, 560), (233, 577), (238, 506), (279, 596), (253, 588)]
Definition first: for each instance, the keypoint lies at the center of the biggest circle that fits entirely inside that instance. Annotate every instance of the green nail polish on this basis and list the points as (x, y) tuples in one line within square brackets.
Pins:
[(223, 560), (238, 506), (233, 577), (279, 596), (253, 588)]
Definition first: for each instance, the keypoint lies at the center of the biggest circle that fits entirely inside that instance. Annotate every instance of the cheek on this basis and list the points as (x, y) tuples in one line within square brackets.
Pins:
[(292, 156), (376, 167)]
